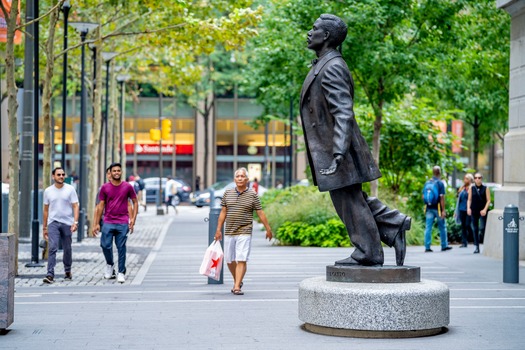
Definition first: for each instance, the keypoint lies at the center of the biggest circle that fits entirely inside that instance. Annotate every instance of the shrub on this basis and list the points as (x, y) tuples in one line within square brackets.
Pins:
[(303, 216), (330, 234)]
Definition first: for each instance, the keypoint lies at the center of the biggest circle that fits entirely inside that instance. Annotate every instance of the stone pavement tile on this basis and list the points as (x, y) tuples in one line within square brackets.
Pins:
[(88, 260)]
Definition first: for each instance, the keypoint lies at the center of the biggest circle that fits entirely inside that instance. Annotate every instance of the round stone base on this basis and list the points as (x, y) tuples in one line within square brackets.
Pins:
[(374, 310), (338, 332)]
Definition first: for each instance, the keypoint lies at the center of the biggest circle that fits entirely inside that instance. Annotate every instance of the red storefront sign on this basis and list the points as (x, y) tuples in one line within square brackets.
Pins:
[(154, 149)]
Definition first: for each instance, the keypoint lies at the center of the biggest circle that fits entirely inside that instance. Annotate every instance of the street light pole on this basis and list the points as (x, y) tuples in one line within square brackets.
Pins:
[(65, 9), (26, 134), (122, 79), (107, 57), (160, 210), (35, 224), (83, 28)]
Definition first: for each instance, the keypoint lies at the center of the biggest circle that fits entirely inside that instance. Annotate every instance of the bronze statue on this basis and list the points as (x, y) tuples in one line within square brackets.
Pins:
[(338, 154)]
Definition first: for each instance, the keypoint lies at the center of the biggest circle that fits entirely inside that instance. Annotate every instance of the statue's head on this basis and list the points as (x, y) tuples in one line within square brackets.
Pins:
[(337, 28)]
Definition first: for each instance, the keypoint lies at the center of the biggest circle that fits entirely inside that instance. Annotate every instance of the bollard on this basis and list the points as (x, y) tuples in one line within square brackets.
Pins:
[(212, 228), (511, 230)]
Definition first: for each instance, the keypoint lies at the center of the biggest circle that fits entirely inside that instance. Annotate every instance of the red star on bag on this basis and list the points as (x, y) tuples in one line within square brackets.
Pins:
[(215, 263)]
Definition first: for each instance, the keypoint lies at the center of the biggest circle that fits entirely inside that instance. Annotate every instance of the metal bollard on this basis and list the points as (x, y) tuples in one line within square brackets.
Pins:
[(511, 230), (212, 228)]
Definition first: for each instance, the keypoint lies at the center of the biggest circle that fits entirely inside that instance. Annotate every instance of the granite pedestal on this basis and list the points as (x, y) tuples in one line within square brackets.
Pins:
[(337, 305), (7, 279)]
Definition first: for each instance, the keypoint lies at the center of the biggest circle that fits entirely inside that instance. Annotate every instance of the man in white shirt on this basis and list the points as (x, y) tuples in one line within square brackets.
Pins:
[(60, 221), (170, 192)]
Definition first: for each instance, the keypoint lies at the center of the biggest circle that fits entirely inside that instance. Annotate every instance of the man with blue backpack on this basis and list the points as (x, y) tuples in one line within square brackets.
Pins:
[(434, 197)]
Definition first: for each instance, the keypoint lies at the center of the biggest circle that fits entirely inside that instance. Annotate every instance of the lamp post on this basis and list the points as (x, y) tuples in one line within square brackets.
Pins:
[(83, 28), (65, 9), (160, 210), (107, 57), (122, 78)]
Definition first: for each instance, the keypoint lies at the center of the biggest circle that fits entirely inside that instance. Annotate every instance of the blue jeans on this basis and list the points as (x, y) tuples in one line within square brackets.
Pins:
[(58, 231), (430, 216), (120, 232)]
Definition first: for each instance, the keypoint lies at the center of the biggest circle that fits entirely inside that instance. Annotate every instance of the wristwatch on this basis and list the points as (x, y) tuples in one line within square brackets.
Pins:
[(76, 223)]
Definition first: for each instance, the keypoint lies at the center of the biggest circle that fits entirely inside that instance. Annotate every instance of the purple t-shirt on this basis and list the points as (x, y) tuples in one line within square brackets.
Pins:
[(116, 202)]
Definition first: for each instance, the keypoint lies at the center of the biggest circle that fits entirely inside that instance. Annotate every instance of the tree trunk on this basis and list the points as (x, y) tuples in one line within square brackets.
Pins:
[(376, 145), (46, 100), (93, 165), (12, 108)]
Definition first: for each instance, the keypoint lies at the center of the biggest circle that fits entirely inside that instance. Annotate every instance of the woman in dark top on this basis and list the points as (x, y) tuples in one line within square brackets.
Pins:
[(466, 229), (477, 208)]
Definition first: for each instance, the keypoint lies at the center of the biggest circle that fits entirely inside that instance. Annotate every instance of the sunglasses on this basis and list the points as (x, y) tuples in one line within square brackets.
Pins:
[(477, 177), (60, 175)]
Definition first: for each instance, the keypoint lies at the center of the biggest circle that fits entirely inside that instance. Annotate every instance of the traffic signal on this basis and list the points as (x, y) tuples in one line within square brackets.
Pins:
[(154, 134), (165, 129)]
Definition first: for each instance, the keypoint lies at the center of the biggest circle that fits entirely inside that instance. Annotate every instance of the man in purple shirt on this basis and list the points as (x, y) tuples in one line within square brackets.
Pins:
[(114, 197)]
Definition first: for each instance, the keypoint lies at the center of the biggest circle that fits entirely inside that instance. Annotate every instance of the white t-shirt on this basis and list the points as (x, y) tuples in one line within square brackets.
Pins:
[(60, 202), (171, 186)]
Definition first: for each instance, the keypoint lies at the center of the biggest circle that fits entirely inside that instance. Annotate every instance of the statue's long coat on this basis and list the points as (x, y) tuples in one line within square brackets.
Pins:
[(329, 125)]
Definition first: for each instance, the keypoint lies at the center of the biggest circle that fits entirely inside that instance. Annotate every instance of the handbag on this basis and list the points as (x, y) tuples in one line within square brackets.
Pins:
[(212, 263)]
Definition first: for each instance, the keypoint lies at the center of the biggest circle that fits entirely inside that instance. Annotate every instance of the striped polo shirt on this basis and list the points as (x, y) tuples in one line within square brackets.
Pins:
[(239, 210)]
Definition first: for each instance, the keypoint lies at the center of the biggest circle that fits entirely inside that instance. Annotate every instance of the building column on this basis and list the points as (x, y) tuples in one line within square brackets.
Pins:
[(513, 190)]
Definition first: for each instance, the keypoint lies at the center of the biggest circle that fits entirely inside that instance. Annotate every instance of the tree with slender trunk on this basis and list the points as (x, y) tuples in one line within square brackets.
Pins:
[(12, 108)]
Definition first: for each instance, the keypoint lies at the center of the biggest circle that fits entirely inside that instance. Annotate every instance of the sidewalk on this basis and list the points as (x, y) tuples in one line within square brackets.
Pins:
[(166, 304), (88, 260)]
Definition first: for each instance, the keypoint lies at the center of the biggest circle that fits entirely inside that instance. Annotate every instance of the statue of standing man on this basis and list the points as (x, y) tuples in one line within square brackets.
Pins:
[(338, 154)]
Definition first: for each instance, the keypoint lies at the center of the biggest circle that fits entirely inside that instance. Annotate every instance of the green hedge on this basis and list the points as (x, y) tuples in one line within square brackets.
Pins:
[(303, 216)]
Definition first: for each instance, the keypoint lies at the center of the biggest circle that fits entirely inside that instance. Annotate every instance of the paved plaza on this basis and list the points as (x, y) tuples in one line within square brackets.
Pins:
[(166, 304)]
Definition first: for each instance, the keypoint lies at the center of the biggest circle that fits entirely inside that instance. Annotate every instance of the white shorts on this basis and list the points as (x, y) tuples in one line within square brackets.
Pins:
[(237, 247)]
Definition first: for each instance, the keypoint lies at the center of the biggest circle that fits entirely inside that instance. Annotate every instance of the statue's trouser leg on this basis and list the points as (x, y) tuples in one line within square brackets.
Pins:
[(355, 213), (389, 221)]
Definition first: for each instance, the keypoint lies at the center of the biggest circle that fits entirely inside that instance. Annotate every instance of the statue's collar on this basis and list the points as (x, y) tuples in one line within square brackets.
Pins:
[(321, 61)]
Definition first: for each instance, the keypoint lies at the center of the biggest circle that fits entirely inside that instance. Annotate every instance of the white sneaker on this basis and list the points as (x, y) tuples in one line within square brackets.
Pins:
[(121, 278), (110, 272)]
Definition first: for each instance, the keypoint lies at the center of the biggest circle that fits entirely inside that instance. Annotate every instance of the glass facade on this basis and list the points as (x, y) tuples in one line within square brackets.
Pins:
[(237, 142)]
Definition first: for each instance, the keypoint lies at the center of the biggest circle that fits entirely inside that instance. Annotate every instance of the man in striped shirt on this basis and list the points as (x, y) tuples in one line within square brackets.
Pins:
[(238, 205)]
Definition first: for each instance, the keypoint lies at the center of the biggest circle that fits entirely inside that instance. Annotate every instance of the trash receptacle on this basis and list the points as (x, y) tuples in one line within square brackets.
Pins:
[(7, 279)]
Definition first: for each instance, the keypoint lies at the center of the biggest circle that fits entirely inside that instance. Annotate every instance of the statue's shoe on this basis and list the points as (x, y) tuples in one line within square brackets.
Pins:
[(347, 261)]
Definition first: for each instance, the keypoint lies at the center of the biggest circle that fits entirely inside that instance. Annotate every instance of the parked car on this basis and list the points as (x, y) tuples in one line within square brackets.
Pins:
[(204, 198), (152, 188)]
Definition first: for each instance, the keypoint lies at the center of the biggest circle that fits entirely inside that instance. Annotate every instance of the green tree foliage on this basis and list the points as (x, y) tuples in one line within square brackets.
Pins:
[(412, 143), (387, 45), (473, 74)]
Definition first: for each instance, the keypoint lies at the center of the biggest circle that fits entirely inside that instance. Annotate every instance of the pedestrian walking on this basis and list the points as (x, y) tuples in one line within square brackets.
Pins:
[(461, 210), (434, 197), (59, 222), (238, 205), (478, 208), (114, 199), (141, 194), (170, 192)]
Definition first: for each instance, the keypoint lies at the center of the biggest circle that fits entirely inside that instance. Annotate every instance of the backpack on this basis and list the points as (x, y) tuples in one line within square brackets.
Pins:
[(136, 187), (431, 192), (141, 183)]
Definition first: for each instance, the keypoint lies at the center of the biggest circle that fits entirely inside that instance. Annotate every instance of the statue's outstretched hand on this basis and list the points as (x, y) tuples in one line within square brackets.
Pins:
[(333, 167)]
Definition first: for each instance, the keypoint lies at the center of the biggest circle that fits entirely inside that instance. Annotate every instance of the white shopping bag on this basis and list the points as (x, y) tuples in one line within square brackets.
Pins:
[(212, 263)]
